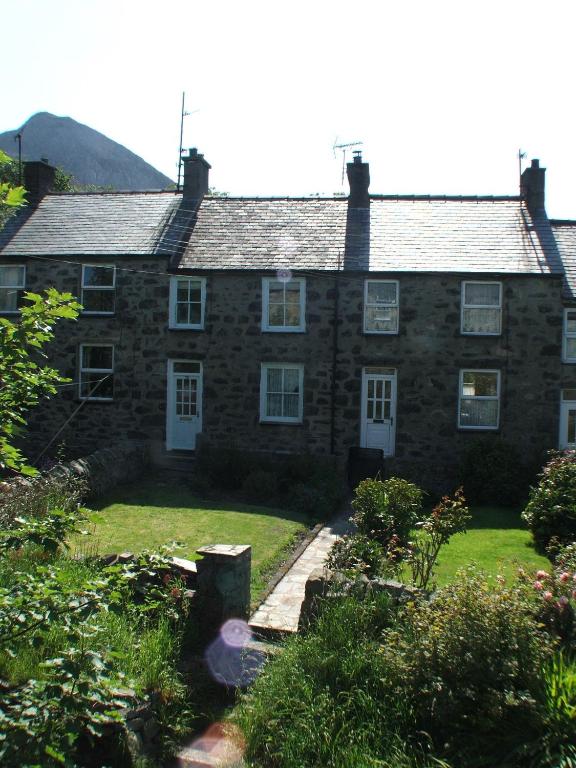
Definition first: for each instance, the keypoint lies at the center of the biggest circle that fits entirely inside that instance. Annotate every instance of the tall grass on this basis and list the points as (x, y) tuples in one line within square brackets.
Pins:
[(322, 703)]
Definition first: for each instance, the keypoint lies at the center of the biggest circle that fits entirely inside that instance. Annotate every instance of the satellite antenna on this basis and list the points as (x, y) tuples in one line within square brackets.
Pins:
[(343, 148)]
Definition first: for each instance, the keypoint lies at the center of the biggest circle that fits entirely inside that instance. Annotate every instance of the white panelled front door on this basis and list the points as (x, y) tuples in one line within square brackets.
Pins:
[(568, 421), (184, 404), (378, 417)]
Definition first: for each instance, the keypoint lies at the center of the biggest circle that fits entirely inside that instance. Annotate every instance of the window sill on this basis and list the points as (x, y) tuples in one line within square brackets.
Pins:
[(478, 429), (474, 333), (283, 330), (283, 422), (380, 333), (185, 327)]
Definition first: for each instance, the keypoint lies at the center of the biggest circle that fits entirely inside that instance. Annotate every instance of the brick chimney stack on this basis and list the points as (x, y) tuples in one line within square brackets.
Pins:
[(359, 179), (39, 178), (196, 171), (532, 186)]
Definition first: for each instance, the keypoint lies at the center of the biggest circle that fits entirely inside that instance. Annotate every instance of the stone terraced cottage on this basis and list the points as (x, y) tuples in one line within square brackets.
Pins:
[(407, 324)]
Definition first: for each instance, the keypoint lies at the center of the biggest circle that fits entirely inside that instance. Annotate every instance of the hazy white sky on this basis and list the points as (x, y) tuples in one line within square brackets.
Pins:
[(442, 93)]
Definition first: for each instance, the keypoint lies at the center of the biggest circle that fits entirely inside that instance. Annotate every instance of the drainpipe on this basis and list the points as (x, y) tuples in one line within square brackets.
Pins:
[(334, 360)]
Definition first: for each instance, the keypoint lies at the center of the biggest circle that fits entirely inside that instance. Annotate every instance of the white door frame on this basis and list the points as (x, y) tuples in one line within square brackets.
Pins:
[(390, 375), (170, 409)]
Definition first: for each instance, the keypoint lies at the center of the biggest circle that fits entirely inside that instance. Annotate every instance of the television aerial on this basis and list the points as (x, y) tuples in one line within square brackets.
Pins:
[(343, 148)]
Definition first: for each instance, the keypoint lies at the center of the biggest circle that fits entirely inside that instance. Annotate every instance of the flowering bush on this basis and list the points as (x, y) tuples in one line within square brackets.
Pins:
[(449, 516), (556, 590), (551, 509), (468, 664), (383, 509)]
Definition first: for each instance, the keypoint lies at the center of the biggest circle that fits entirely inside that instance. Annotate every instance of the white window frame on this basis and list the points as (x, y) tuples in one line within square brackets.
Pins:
[(301, 327), (20, 287), (396, 306), (566, 336), (461, 397), (107, 288), (464, 306), (173, 316), (103, 371), (264, 368)]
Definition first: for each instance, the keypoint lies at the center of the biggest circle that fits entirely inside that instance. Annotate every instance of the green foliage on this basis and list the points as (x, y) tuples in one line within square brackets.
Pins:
[(309, 485), (386, 509), (260, 484), (12, 195), (464, 678), (33, 499), (319, 703), (469, 663), (449, 516), (357, 553), (23, 379), (492, 472), (551, 509), (78, 641)]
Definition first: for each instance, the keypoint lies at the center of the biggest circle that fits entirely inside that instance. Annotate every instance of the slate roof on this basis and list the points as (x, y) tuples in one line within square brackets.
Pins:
[(268, 233), (400, 233), (95, 224), (433, 234), (565, 236)]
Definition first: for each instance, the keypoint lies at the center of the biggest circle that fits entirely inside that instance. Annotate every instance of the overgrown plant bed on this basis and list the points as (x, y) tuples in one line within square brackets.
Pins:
[(82, 644)]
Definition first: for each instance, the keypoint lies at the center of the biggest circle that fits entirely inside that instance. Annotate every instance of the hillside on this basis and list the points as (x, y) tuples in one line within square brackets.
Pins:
[(88, 155)]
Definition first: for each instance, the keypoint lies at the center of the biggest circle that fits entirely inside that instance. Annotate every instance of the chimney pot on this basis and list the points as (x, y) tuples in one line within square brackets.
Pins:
[(535, 163)]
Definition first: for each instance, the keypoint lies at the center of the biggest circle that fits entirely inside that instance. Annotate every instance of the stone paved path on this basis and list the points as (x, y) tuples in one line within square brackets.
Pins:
[(281, 609)]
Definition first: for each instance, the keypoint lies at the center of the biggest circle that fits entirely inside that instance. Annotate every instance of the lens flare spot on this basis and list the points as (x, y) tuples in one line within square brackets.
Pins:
[(235, 633)]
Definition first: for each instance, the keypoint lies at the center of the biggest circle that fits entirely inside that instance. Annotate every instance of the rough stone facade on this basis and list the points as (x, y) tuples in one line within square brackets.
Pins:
[(427, 354)]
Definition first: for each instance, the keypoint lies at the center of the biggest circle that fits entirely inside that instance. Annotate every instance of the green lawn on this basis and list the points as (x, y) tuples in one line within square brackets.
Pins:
[(496, 541), (150, 513)]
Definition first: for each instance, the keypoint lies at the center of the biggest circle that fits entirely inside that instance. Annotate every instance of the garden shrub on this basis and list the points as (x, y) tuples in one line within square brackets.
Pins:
[(78, 641), (357, 553), (34, 498), (470, 677), (319, 499), (492, 472), (261, 484), (386, 509), (309, 485), (551, 509), (470, 663)]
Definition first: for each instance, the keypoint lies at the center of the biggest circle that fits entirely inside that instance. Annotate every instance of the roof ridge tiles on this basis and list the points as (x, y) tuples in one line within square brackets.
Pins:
[(445, 198), (111, 192)]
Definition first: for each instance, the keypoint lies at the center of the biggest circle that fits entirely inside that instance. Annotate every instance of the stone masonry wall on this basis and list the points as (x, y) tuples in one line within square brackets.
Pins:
[(427, 353)]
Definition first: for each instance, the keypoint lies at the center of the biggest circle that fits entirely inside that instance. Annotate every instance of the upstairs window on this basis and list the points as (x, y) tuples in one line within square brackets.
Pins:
[(281, 393), (479, 402), (96, 371), (481, 308), (381, 306), (187, 302), (98, 289), (569, 341), (12, 283), (283, 305)]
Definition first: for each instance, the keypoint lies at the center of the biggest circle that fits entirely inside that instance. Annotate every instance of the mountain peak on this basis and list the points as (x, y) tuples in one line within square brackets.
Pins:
[(88, 155)]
